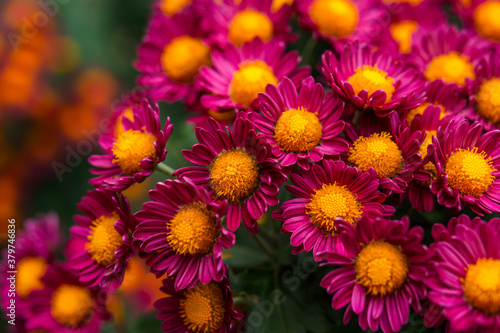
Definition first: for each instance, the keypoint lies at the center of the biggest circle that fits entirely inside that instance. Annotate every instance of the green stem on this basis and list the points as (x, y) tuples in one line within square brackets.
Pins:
[(166, 169), (262, 247), (307, 52)]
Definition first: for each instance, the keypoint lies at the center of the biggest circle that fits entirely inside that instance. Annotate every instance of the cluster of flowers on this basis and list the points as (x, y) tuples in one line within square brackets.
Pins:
[(407, 107)]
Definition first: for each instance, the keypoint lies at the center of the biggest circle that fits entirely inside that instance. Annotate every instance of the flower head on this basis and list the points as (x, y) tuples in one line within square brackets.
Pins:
[(328, 193), (238, 168), (171, 56), (65, 305), (465, 279), (239, 75), (381, 274), (466, 164), (105, 228), (372, 79), (203, 308), (301, 126), (181, 234), (132, 156)]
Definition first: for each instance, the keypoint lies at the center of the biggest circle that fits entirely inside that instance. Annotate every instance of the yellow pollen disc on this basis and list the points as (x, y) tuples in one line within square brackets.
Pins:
[(104, 240), (427, 141), (377, 151), (277, 4), (482, 285), (488, 100), (223, 116), (131, 148), (401, 32), (29, 272), (193, 230), (334, 18), (371, 79), (452, 68), (470, 171), (71, 306), (486, 20), (127, 113), (203, 308), (251, 79), (234, 175), (420, 110), (330, 202), (298, 130), (249, 24), (381, 268), (183, 57), (171, 7)]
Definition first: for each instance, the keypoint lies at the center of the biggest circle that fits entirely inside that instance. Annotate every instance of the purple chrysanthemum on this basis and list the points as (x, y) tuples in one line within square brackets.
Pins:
[(105, 228), (382, 273), (181, 233), (237, 167), (328, 193), (132, 156)]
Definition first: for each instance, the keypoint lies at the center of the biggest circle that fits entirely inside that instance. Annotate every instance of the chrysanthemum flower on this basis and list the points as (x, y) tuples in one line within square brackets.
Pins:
[(384, 145), (340, 21), (372, 79), (467, 165), (238, 76), (484, 101), (301, 126), (181, 233), (106, 229), (171, 56), (30, 257), (204, 308), (448, 54), (122, 109), (406, 19), (328, 193), (465, 277), (382, 273), (132, 156), (428, 122), (65, 305), (481, 16), (240, 22), (237, 167)]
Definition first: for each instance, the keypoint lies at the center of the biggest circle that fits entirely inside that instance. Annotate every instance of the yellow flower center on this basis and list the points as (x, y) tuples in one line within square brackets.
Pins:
[(29, 272), (131, 148), (234, 175), (223, 116), (249, 24), (277, 4), (381, 268), (298, 130), (377, 151), (488, 100), (71, 306), (427, 141), (334, 18), (371, 78), (482, 285), (251, 79), (420, 110), (119, 130), (486, 20), (452, 68), (203, 308), (193, 230), (470, 171), (104, 240), (183, 57), (401, 32), (330, 202), (171, 7)]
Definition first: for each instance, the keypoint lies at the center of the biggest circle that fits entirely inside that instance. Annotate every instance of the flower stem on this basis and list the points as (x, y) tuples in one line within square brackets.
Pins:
[(262, 247), (166, 169)]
